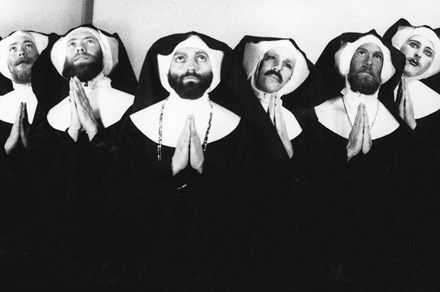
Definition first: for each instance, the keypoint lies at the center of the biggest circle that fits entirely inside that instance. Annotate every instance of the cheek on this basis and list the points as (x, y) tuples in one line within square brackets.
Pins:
[(426, 63), (286, 74), (407, 51), (265, 66)]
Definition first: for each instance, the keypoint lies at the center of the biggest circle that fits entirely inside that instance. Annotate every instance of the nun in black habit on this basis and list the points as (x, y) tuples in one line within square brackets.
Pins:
[(358, 121), (69, 160), (417, 99), (276, 85), (18, 109), (72, 242), (179, 178)]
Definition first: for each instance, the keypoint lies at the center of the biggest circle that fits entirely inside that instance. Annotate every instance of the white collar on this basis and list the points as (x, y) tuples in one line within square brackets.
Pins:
[(338, 114), (292, 125), (425, 100), (175, 113), (108, 104), (10, 102)]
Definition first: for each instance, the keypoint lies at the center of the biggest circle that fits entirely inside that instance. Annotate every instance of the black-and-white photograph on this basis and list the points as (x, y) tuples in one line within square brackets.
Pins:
[(220, 145)]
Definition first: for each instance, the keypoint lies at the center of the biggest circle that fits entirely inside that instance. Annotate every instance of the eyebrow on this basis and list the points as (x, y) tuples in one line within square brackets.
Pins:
[(25, 42), (427, 47), (86, 38)]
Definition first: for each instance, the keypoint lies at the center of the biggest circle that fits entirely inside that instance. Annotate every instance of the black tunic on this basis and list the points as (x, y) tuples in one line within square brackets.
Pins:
[(191, 225), (364, 219)]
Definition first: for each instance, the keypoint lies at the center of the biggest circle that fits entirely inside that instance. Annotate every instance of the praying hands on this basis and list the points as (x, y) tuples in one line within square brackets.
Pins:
[(360, 137), (188, 149), (81, 112)]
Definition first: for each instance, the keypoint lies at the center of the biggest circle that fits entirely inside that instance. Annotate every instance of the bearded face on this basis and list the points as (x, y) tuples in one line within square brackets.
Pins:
[(190, 73), (190, 85), (365, 69), (84, 70), (22, 54)]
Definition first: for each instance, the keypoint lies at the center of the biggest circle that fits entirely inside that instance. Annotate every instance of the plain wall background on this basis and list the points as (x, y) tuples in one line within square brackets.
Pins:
[(40, 15), (311, 23)]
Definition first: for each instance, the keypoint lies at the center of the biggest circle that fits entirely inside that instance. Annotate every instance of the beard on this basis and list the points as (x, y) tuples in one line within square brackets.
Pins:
[(22, 74), (364, 83), (190, 90), (84, 72)]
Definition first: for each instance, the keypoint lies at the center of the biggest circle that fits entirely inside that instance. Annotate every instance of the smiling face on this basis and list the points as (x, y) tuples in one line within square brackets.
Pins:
[(190, 73), (83, 56), (419, 53), (275, 69), (365, 69), (22, 54)]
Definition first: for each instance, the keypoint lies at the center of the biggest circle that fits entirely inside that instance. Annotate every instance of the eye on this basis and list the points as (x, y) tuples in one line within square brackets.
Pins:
[(428, 53), (29, 46), (288, 66), (71, 44), (202, 58), (179, 59), (378, 57), (90, 41), (414, 45), (269, 57), (361, 52), (13, 49)]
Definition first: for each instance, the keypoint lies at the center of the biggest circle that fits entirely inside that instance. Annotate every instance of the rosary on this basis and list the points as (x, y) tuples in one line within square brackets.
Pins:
[(348, 116)]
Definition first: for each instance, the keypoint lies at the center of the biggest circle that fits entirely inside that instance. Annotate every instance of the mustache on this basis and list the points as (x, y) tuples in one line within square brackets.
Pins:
[(367, 70), (273, 72), (77, 55), (24, 60), (191, 74)]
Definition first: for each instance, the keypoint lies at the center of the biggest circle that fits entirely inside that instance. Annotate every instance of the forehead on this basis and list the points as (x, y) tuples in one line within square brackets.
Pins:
[(282, 52), (81, 34), (422, 40), (190, 51), (370, 47), (21, 39)]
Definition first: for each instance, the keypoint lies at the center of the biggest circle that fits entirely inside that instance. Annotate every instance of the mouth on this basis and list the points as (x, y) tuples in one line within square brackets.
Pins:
[(81, 59), (23, 61), (413, 62), (191, 79), (274, 77)]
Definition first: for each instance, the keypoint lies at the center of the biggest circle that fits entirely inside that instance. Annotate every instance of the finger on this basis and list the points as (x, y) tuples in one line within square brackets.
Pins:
[(278, 115), (25, 118), (358, 118), (272, 109), (81, 91), (367, 142), (402, 106), (365, 119), (186, 133)]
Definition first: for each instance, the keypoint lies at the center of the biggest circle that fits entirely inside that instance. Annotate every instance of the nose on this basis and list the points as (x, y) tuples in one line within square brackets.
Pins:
[(192, 65), (21, 52), (277, 66), (80, 49), (418, 53), (368, 60)]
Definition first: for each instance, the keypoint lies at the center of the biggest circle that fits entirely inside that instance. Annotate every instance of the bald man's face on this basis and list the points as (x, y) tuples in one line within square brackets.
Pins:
[(22, 54), (366, 68)]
